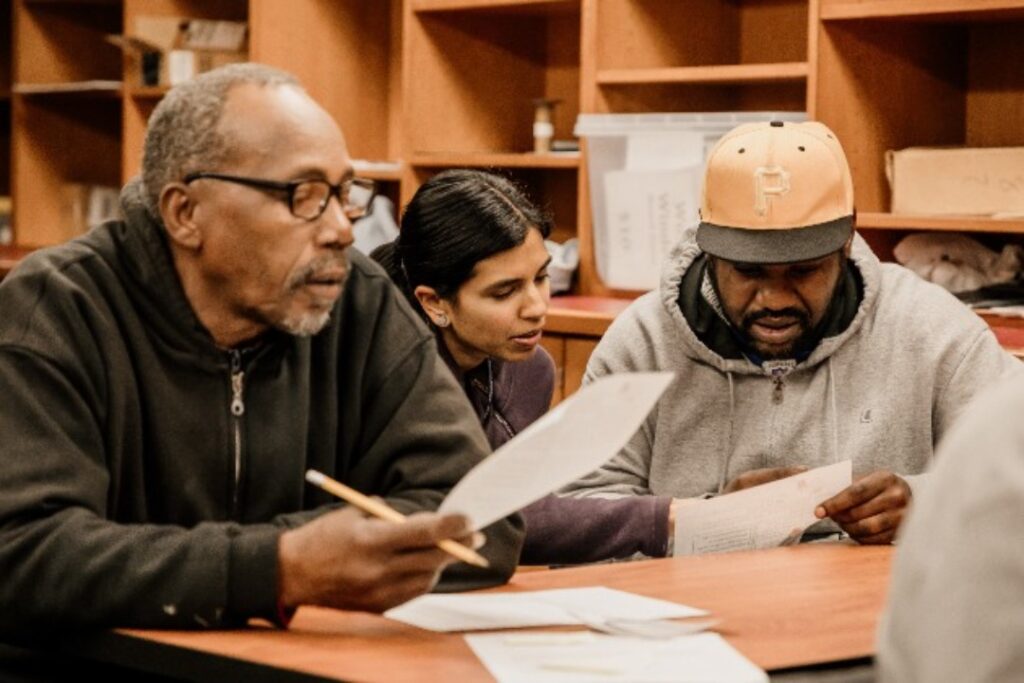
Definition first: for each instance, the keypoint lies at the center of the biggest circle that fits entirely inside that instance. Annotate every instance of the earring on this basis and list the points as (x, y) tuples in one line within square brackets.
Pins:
[(441, 320)]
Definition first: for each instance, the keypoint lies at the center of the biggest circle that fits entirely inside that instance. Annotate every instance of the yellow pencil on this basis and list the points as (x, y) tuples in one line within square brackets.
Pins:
[(382, 511)]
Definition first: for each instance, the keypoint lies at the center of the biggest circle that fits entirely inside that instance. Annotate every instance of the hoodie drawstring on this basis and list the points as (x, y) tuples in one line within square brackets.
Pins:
[(834, 423), (835, 413), (723, 475)]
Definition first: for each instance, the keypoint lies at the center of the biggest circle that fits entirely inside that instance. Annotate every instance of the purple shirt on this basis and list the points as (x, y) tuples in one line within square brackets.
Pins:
[(507, 397)]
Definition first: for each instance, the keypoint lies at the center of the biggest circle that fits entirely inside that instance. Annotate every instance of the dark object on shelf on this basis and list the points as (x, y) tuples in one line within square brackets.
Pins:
[(1001, 294)]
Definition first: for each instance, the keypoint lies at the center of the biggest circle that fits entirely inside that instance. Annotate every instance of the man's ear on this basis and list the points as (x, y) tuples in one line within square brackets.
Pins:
[(848, 247), (436, 308), (177, 209)]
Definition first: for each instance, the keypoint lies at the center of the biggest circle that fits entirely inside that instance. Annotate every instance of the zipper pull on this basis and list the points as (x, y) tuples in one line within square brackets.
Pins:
[(237, 383), (777, 371), (779, 381)]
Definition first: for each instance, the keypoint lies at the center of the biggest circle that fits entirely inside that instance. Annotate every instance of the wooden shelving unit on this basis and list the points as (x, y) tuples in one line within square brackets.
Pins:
[(66, 125), (61, 52), (702, 55), (420, 86), (954, 65), (478, 66)]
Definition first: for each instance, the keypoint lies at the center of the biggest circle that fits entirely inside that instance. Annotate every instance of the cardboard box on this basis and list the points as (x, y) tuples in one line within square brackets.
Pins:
[(171, 50), (957, 180)]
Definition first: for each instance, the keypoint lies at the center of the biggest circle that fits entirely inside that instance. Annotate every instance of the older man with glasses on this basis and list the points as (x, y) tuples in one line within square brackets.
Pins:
[(167, 379)]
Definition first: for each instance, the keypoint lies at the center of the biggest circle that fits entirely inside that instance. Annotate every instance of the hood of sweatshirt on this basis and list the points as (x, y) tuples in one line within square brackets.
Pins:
[(684, 255), (159, 296)]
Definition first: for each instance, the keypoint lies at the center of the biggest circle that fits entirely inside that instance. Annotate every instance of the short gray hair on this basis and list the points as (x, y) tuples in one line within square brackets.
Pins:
[(183, 136)]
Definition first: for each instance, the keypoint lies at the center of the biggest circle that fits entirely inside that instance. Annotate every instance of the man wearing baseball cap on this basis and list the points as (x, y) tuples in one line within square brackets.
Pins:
[(793, 346)]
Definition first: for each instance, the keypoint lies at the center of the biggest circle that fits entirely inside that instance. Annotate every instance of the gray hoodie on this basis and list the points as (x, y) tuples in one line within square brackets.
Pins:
[(881, 392)]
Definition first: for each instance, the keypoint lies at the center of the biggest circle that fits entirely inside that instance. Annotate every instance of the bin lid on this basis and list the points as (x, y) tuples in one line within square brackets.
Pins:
[(599, 125)]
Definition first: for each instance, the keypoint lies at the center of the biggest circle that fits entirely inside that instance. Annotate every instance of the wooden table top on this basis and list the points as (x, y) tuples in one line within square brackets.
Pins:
[(782, 608)]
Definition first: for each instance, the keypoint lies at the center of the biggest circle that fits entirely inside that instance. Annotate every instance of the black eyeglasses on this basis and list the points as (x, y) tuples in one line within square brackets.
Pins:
[(308, 199)]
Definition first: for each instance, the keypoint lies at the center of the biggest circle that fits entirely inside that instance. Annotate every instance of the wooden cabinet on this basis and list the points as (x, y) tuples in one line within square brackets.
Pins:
[(475, 68), (426, 85), (65, 111), (904, 73), (79, 111), (434, 84)]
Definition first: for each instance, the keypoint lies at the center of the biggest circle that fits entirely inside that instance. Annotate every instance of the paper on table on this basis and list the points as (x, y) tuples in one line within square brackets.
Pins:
[(577, 656), (764, 516), (575, 438), (476, 612)]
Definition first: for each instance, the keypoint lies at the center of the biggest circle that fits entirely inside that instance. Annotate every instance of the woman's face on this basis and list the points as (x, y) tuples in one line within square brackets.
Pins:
[(499, 311)]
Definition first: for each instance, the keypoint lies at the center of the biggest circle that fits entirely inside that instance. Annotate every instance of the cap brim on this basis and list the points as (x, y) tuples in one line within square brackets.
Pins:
[(745, 245)]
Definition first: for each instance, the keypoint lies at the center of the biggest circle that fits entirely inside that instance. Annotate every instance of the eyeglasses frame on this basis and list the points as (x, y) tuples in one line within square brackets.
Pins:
[(291, 186)]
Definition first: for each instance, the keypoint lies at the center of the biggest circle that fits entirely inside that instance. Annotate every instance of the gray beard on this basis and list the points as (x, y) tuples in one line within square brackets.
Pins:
[(305, 325)]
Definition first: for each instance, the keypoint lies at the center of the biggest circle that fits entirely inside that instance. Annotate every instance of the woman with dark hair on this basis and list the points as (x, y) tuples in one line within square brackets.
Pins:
[(470, 257)]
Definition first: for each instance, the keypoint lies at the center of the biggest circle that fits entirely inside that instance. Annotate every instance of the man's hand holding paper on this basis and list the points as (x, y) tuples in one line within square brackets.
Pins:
[(764, 516), (871, 508)]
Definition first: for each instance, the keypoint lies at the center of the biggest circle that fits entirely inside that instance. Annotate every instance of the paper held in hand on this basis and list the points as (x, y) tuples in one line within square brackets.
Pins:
[(764, 516), (575, 438)]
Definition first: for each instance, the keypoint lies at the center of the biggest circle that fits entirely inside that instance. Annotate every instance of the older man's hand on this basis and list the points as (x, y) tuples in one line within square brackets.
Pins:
[(871, 509), (347, 560)]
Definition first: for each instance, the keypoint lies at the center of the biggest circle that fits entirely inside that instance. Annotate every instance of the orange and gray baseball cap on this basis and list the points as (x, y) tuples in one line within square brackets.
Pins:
[(776, 192)]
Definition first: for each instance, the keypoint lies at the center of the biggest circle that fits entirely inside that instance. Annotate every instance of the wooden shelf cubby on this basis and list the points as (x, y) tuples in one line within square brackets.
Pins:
[(479, 64), (65, 111), (476, 75), (908, 73), (347, 53), (704, 55)]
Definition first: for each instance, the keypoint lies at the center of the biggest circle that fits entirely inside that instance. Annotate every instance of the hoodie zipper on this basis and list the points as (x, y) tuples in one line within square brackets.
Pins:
[(237, 411), (777, 371)]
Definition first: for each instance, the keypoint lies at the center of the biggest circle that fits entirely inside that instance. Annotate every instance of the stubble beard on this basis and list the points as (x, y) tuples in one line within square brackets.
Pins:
[(310, 323)]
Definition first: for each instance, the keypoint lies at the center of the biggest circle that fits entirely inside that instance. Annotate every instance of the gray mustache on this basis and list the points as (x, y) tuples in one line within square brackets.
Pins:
[(325, 263)]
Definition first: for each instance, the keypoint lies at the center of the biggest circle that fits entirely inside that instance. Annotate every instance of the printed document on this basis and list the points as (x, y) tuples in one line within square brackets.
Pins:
[(575, 438), (646, 214), (477, 612), (536, 657), (765, 516)]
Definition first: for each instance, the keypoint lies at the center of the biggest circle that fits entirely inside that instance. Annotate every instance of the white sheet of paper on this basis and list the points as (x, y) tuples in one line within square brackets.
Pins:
[(478, 612), (764, 516), (647, 212), (575, 438), (575, 656)]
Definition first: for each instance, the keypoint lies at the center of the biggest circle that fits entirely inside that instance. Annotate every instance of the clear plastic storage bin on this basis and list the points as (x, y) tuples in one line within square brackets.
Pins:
[(645, 180)]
